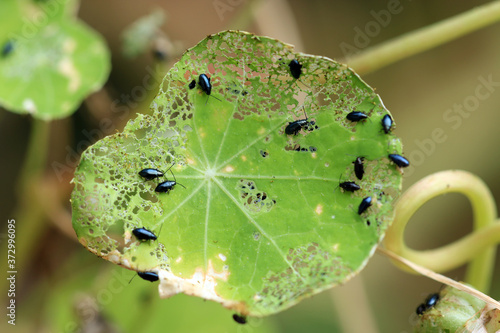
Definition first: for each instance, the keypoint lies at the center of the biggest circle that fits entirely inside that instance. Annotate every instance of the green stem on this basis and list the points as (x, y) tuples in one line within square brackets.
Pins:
[(36, 155), (425, 38), (353, 307), (478, 247), (29, 209)]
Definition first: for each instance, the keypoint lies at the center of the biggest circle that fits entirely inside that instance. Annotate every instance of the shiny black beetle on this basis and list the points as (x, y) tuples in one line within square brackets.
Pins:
[(430, 301), (167, 185), (359, 168), (364, 205), (149, 276), (150, 174), (356, 116), (143, 234), (294, 127), (206, 86), (399, 160), (295, 68), (387, 123), (349, 186)]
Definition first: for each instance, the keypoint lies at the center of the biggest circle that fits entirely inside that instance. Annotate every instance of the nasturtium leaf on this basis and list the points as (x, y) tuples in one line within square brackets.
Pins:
[(262, 221), (53, 61)]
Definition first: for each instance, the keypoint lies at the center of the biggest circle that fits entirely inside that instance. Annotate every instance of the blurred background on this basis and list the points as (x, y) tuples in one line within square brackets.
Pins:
[(63, 288)]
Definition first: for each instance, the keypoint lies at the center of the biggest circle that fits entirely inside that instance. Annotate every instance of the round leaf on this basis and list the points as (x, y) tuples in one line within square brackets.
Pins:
[(260, 220), (49, 62)]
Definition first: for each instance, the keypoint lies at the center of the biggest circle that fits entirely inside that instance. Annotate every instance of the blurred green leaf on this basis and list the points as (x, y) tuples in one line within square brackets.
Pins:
[(458, 311), (94, 297), (50, 61), (138, 37), (261, 222)]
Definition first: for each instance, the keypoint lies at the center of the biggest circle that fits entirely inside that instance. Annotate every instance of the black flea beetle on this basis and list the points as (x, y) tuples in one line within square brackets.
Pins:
[(349, 186), (295, 68), (204, 82), (399, 160), (192, 84), (421, 309), (168, 185), (364, 205), (430, 301), (143, 234), (150, 174), (205, 85), (387, 123), (359, 168), (8, 47), (149, 276), (294, 127), (240, 319), (356, 116)]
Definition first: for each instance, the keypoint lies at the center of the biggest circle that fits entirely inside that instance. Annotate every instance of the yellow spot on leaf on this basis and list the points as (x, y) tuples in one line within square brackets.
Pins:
[(261, 131), (178, 260), (243, 158), (229, 168), (69, 46), (67, 68), (319, 209)]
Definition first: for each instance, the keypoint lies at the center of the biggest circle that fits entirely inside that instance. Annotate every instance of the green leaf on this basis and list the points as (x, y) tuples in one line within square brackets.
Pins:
[(140, 35), (94, 297), (53, 61), (458, 311), (261, 222)]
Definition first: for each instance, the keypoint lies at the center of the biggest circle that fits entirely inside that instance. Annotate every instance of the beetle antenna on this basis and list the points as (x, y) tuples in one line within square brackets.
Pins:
[(213, 97), (340, 176), (173, 163), (160, 230), (176, 183)]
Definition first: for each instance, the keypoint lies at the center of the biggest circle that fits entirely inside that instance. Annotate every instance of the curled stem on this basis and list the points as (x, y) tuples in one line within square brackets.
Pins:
[(477, 247)]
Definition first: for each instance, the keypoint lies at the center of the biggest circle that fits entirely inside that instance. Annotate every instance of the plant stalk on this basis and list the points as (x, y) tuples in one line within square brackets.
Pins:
[(28, 211), (424, 39)]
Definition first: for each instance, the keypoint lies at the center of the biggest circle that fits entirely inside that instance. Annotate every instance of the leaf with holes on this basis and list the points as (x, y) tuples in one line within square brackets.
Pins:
[(260, 220), (49, 61)]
